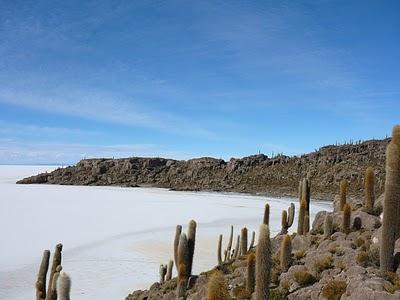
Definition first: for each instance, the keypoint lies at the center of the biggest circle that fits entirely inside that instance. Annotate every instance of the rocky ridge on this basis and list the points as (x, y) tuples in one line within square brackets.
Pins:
[(277, 175)]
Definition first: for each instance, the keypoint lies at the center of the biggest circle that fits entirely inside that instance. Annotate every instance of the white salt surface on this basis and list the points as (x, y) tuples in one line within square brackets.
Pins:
[(114, 238)]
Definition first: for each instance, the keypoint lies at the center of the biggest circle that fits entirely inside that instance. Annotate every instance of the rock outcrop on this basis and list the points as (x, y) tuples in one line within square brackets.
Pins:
[(278, 175)]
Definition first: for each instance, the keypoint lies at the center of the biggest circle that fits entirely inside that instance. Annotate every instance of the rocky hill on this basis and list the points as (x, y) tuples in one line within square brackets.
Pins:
[(277, 176)]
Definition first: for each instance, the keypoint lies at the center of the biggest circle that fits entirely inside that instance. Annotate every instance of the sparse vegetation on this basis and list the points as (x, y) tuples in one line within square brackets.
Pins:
[(334, 289), (304, 278)]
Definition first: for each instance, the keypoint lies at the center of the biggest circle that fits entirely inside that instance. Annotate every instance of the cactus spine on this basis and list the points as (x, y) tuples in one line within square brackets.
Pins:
[(51, 294), (346, 218), (41, 278), (328, 226), (286, 253), (342, 193), (243, 241), (369, 190), (220, 250), (191, 244), (391, 206), (302, 214), (251, 273), (183, 263), (263, 264), (178, 232), (63, 286), (169, 270), (266, 214), (217, 288)]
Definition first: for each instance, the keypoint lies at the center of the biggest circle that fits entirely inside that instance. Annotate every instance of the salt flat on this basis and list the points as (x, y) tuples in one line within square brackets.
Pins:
[(114, 238)]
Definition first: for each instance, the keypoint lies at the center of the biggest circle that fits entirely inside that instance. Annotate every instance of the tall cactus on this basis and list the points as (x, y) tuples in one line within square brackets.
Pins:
[(219, 251), (390, 207), (306, 193), (178, 232), (163, 272), (302, 214), (183, 263), (191, 243), (41, 278), (253, 237), (286, 253), (169, 270), (263, 264), (243, 241), (342, 193), (306, 225), (266, 214), (229, 247), (251, 273), (284, 222), (328, 226), (51, 294), (369, 190), (287, 218), (237, 248), (346, 218), (63, 286)]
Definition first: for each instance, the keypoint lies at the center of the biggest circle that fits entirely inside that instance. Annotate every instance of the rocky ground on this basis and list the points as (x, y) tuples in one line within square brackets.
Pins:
[(340, 266), (254, 174)]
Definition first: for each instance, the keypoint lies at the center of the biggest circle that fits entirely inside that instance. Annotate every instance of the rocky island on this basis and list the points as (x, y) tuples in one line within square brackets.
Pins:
[(278, 176)]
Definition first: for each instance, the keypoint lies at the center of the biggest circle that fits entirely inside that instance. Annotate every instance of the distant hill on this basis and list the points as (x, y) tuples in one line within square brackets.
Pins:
[(278, 176)]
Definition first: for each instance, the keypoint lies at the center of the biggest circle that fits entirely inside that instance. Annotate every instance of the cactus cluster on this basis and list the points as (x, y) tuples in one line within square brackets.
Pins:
[(391, 207), (56, 277)]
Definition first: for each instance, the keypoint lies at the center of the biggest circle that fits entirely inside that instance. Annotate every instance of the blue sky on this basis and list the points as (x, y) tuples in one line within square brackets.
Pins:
[(185, 79)]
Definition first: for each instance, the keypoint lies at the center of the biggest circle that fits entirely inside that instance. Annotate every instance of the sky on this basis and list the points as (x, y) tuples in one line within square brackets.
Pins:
[(184, 79)]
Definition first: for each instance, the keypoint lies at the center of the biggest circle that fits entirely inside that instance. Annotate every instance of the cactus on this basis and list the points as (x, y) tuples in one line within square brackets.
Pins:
[(266, 214), (229, 247), (191, 243), (163, 272), (243, 241), (182, 281), (342, 193), (178, 232), (169, 270), (286, 253), (54, 283), (63, 286), (183, 263), (251, 273), (217, 288), (236, 251), (302, 214), (41, 278), (284, 222), (263, 264), (391, 206), (328, 226), (220, 250), (346, 218), (253, 237), (306, 225), (51, 294), (305, 193), (369, 190), (291, 212)]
